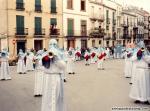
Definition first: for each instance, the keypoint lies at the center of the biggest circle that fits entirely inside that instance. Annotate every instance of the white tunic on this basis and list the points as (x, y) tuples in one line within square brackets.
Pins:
[(128, 67), (53, 94), (140, 89), (39, 79), (21, 65), (4, 71), (100, 62), (70, 64), (29, 63)]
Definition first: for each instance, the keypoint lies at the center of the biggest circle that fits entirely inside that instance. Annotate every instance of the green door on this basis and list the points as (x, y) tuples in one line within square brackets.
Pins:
[(70, 27), (20, 24), (38, 29)]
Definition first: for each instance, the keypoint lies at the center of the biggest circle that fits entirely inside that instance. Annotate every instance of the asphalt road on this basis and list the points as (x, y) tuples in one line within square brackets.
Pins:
[(88, 90)]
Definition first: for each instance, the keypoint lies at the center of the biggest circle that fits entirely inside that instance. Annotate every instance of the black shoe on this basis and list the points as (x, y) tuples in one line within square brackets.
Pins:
[(146, 102), (137, 102), (130, 83), (65, 80), (73, 73), (69, 73), (37, 95)]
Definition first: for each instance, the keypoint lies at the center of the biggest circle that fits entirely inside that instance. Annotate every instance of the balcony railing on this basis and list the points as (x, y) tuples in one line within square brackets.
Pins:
[(95, 17), (38, 8), (114, 22), (124, 25), (39, 31), (108, 20), (53, 10), (21, 31), (97, 32), (20, 6), (83, 33), (54, 31)]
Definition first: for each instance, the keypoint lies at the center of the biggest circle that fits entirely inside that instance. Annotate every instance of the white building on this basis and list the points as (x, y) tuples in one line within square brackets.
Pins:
[(96, 19), (110, 9), (75, 23)]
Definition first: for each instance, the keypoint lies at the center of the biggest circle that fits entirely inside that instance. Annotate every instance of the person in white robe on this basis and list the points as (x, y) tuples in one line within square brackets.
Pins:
[(29, 61), (107, 51), (70, 62), (93, 56), (21, 68), (53, 93), (87, 58), (39, 75), (4, 69), (77, 54), (140, 89), (133, 59), (101, 58), (128, 64)]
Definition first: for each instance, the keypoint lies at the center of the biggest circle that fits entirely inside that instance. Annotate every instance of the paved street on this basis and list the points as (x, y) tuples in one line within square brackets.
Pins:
[(88, 90)]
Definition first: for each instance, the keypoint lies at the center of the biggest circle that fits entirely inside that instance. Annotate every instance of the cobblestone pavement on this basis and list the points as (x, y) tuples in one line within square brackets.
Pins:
[(88, 90)]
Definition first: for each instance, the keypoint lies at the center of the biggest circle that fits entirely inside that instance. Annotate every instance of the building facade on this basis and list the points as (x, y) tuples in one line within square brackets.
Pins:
[(110, 10), (96, 21), (31, 24), (75, 23)]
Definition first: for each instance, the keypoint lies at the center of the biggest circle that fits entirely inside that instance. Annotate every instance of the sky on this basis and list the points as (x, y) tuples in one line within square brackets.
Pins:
[(145, 4)]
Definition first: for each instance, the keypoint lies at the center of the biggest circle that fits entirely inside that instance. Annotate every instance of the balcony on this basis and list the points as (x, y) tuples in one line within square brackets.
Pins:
[(21, 31), (124, 25), (108, 20), (39, 31), (20, 6), (126, 36), (38, 8), (53, 10), (83, 33), (140, 23), (54, 32), (96, 17), (114, 22), (97, 33)]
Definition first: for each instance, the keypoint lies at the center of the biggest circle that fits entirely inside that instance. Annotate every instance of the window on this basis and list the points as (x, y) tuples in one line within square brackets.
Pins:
[(19, 25), (20, 5), (83, 28), (70, 27), (70, 4), (107, 17), (53, 6), (38, 7), (53, 21), (83, 6), (38, 30), (93, 43), (53, 27), (100, 42)]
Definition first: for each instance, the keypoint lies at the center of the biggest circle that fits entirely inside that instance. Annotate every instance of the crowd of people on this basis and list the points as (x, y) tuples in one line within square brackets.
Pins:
[(52, 65)]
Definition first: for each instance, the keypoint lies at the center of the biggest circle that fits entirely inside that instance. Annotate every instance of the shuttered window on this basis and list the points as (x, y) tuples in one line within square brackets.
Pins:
[(20, 24), (53, 6), (37, 2), (53, 21), (38, 25), (70, 27)]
